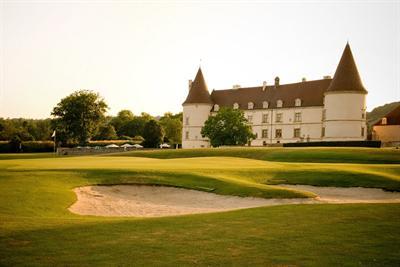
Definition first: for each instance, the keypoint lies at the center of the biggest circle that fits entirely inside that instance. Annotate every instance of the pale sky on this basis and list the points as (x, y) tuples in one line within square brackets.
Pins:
[(140, 55)]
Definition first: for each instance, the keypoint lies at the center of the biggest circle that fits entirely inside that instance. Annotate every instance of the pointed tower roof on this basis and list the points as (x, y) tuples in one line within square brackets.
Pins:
[(198, 93), (346, 77)]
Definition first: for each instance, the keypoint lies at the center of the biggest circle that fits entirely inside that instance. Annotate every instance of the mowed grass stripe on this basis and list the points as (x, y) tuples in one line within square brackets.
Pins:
[(301, 154)]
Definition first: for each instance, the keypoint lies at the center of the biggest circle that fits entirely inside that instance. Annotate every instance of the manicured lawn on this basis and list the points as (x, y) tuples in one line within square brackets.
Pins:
[(300, 154), (37, 229), (26, 155)]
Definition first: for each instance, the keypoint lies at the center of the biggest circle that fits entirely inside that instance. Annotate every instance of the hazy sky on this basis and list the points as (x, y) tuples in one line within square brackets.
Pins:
[(140, 55)]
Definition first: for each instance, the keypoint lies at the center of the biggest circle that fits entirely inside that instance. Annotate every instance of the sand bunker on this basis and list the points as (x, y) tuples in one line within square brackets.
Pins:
[(159, 201)]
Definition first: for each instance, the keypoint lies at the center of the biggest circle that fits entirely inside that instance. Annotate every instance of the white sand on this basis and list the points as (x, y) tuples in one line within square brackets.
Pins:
[(159, 201)]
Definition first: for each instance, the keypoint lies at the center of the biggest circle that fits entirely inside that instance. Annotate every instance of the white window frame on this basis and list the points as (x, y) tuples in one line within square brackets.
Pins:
[(279, 117)]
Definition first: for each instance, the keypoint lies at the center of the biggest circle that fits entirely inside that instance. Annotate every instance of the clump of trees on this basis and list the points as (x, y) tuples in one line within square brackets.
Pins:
[(25, 129), (228, 127), (81, 117)]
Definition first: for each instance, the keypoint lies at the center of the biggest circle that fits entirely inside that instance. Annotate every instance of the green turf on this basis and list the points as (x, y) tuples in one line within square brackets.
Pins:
[(36, 228), (5, 156), (300, 154)]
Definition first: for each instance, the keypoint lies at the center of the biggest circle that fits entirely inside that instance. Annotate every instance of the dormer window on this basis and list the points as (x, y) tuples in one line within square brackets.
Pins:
[(297, 102), (279, 103), (235, 106), (265, 104), (216, 107), (384, 121), (250, 105)]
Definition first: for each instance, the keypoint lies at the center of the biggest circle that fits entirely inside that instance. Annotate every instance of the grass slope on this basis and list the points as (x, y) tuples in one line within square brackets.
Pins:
[(300, 154), (36, 228)]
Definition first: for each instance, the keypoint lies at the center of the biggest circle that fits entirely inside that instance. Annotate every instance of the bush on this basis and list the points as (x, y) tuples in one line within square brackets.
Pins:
[(37, 146), (26, 146), (336, 144), (5, 147)]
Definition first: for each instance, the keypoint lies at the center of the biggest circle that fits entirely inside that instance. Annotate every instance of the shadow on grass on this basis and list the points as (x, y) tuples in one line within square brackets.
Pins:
[(305, 235)]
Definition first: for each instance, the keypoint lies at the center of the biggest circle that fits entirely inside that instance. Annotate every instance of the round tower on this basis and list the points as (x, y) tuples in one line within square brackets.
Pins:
[(344, 103), (196, 110)]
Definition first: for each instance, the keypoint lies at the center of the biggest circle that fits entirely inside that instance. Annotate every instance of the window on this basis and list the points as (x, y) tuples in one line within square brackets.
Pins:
[(323, 114), (296, 133), (323, 132), (297, 102), (264, 133), (264, 118), (362, 131), (384, 121), (250, 105), (187, 120), (278, 117), (186, 135), (278, 133), (363, 115), (216, 107), (297, 117), (235, 106), (265, 104), (279, 103), (250, 118)]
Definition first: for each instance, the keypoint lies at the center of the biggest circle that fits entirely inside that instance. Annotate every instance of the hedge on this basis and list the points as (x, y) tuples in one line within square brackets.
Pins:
[(336, 144), (28, 146)]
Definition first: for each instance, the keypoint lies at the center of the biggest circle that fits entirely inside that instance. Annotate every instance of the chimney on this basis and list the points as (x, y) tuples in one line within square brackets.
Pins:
[(303, 79), (276, 81), (327, 77), (190, 84), (264, 85)]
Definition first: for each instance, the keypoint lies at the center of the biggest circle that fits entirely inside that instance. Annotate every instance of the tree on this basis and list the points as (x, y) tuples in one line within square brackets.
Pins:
[(227, 127), (172, 126), (153, 134), (119, 122), (106, 132), (77, 116)]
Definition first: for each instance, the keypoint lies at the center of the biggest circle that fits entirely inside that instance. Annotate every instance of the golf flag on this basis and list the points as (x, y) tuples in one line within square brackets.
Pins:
[(54, 134)]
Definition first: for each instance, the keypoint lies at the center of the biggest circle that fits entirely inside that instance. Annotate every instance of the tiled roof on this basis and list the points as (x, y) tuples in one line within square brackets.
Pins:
[(392, 118), (198, 93), (311, 93), (346, 77)]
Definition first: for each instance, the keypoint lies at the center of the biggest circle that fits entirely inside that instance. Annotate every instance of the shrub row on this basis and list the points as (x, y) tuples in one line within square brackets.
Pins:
[(27, 147), (336, 144)]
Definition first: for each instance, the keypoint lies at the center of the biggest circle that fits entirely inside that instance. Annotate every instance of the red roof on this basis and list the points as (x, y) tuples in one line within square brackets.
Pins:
[(392, 118), (311, 93)]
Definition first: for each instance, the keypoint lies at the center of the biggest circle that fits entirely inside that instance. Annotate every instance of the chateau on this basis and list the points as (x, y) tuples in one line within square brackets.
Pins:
[(321, 110)]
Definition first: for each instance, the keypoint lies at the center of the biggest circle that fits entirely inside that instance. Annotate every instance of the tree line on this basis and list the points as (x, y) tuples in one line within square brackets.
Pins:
[(81, 117)]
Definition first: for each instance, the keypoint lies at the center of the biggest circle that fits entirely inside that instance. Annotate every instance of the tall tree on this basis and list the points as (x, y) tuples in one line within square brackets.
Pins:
[(79, 115), (153, 134), (172, 126), (121, 120), (106, 132), (227, 127)]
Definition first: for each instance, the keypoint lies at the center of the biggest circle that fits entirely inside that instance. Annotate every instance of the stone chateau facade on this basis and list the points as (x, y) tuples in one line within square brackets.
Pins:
[(320, 110)]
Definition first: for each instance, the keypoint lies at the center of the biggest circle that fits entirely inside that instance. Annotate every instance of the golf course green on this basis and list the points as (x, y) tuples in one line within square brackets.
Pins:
[(37, 229)]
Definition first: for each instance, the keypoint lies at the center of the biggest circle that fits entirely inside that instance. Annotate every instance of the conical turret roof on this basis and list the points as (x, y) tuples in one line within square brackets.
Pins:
[(198, 93), (346, 77)]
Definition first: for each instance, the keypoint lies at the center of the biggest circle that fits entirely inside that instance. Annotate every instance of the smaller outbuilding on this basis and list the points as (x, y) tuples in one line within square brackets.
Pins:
[(387, 129)]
